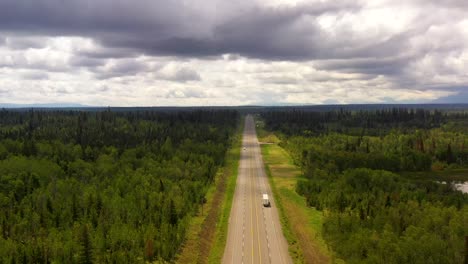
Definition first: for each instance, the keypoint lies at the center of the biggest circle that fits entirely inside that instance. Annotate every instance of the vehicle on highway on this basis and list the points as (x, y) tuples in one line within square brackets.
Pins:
[(266, 201)]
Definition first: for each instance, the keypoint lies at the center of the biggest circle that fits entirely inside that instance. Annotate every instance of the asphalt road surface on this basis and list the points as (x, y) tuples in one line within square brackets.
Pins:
[(254, 234)]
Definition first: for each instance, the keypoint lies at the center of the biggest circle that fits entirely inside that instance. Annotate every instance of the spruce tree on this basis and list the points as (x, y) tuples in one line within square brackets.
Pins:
[(86, 254)]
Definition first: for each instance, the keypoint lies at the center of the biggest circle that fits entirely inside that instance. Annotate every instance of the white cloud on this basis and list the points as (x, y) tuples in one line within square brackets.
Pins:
[(178, 72)]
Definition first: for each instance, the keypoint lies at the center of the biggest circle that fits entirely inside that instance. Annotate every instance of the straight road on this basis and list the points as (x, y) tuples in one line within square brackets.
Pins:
[(254, 234)]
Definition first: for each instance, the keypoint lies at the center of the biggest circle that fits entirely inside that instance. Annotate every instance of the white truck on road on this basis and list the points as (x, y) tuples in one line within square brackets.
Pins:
[(266, 201)]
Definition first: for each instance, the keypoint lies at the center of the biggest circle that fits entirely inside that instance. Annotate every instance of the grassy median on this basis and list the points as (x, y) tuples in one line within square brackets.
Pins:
[(302, 224)]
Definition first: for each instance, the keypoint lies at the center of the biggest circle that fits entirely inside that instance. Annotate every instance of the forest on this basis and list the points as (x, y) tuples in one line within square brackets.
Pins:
[(105, 186), (382, 180)]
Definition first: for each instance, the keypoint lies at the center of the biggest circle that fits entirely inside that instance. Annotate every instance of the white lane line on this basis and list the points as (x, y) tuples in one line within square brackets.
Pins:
[(241, 207)]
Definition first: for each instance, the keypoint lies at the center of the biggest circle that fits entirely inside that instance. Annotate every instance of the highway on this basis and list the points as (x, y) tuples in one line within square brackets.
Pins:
[(254, 234)]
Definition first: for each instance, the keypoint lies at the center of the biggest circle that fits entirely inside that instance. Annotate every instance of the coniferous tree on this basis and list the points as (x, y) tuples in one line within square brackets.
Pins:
[(86, 254)]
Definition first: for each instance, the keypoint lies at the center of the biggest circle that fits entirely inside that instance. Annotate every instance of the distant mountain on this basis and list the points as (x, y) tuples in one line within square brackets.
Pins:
[(365, 107), (461, 97), (439, 104)]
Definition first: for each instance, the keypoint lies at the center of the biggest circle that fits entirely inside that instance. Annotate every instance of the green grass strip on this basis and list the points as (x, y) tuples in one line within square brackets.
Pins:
[(302, 225), (294, 249)]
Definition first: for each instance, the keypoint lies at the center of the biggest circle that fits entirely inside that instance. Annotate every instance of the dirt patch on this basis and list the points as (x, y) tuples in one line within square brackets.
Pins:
[(200, 241), (208, 230)]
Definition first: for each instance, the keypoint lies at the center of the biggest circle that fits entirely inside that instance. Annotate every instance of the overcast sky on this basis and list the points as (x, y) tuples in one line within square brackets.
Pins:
[(218, 52)]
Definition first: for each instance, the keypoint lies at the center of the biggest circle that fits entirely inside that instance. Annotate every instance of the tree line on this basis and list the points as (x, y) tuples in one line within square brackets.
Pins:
[(373, 122)]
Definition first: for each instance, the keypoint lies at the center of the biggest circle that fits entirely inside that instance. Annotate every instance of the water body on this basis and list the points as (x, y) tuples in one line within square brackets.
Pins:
[(461, 186)]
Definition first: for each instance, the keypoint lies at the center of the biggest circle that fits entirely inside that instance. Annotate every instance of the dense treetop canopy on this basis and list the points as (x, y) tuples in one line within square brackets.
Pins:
[(370, 173), (104, 186)]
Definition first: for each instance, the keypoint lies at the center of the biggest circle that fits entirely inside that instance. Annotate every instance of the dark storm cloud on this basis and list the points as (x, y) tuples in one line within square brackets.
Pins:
[(175, 28), (75, 17), (267, 33), (274, 34)]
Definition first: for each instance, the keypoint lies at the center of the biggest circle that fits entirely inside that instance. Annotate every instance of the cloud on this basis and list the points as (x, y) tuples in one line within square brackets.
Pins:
[(177, 73), (374, 66), (121, 67), (233, 52), (21, 43), (175, 27), (103, 53), (78, 61), (62, 90), (185, 93), (256, 30), (35, 75)]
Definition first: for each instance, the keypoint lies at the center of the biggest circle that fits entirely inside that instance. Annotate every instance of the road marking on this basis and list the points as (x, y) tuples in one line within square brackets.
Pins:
[(251, 209), (251, 182), (256, 216)]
